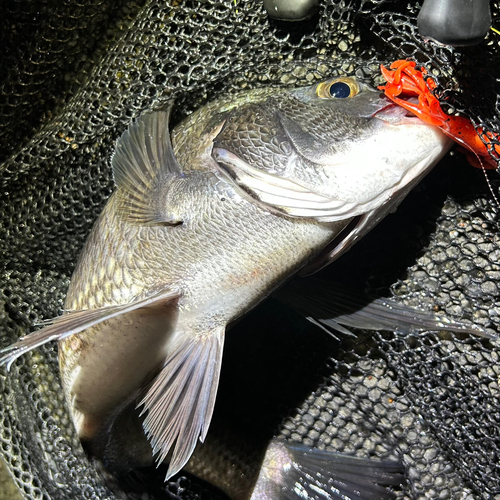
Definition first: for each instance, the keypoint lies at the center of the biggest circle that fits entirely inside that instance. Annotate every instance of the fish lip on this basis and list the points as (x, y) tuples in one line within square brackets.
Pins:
[(393, 114)]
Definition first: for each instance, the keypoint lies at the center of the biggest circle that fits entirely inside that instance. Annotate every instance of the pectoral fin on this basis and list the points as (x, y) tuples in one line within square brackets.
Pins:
[(76, 322), (352, 233), (144, 167), (355, 231), (179, 401)]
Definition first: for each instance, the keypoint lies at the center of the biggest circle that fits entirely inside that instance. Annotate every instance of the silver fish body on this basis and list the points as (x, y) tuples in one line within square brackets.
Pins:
[(224, 258), (253, 189)]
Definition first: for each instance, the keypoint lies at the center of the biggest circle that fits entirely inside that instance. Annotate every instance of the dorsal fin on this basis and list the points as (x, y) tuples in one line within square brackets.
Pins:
[(143, 167)]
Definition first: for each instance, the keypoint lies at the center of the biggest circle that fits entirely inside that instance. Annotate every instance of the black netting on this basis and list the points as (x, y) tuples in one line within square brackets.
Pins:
[(75, 73)]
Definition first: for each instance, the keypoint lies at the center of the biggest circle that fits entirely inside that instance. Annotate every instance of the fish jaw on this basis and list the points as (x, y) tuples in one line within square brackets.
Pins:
[(398, 157), (389, 158)]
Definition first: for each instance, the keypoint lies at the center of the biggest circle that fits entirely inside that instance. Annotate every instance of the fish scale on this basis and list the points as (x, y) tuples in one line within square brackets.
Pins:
[(213, 225), (258, 267)]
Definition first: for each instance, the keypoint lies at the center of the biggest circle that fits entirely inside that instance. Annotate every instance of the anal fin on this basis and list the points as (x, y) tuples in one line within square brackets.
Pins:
[(179, 401), (331, 305)]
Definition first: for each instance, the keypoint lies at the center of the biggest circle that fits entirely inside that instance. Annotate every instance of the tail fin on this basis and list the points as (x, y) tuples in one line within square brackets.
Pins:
[(296, 472)]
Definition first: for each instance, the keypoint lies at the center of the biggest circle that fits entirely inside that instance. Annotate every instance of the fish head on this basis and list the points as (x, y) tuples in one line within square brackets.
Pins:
[(330, 151)]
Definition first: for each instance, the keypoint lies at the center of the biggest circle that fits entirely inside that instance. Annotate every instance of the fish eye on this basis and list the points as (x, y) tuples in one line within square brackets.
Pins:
[(339, 88)]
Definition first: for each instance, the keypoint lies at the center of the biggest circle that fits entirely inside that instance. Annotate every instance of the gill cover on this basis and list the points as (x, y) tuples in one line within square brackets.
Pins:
[(279, 152)]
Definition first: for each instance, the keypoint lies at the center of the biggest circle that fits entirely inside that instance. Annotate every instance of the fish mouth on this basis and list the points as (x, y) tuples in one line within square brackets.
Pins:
[(397, 115)]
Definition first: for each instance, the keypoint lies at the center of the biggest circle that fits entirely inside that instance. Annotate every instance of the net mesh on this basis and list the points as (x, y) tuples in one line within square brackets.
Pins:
[(75, 73)]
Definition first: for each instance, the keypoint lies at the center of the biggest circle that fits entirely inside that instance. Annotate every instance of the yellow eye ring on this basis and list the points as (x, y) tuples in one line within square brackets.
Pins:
[(338, 88)]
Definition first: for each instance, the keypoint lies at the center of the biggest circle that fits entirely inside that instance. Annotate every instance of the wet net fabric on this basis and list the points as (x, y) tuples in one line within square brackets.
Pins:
[(75, 73)]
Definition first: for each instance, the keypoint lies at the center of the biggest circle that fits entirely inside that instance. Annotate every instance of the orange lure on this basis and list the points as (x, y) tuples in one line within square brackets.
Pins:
[(403, 79)]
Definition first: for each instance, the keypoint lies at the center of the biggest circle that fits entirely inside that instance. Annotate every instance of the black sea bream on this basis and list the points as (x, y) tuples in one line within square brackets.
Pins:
[(254, 188)]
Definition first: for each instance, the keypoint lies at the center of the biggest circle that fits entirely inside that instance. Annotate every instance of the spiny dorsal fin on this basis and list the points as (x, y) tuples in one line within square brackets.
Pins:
[(144, 166)]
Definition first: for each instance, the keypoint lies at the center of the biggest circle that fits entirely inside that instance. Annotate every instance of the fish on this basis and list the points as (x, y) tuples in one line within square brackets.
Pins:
[(404, 81), (206, 221), (287, 470)]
